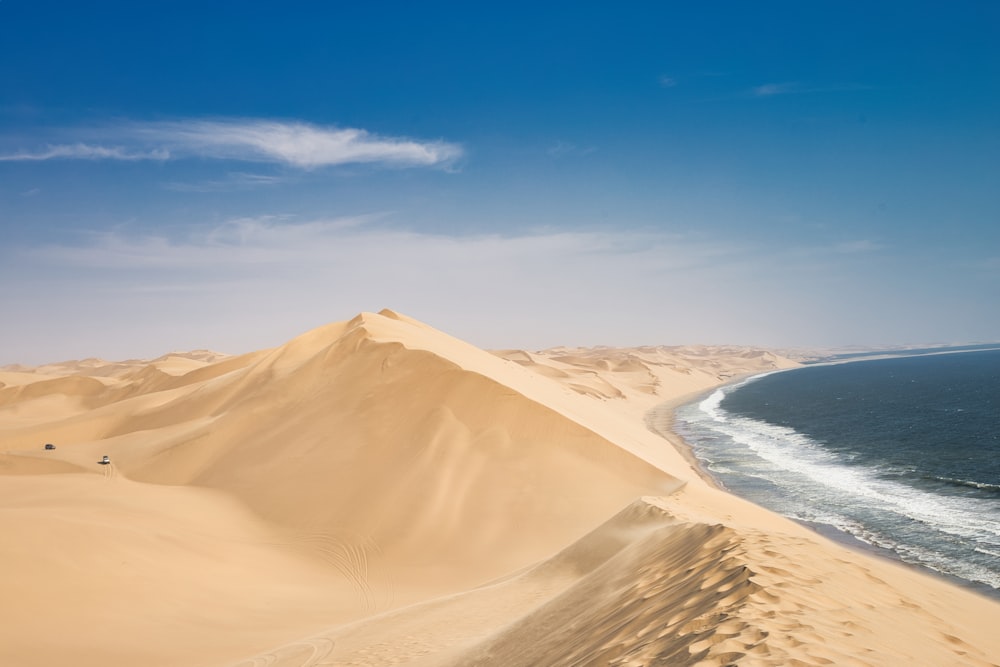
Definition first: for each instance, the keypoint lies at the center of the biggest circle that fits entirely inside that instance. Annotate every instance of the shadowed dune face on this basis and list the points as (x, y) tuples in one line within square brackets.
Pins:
[(671, 598), (429, 461)]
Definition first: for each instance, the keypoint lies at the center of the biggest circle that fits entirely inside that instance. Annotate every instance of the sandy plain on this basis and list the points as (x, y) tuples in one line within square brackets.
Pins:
[(376, 492)]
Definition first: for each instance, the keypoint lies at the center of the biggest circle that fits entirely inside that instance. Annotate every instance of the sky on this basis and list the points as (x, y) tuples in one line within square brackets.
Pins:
[(228, 175)]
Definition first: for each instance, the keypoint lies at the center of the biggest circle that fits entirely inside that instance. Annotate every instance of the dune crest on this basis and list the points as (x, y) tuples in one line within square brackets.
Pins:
[(378, 492)]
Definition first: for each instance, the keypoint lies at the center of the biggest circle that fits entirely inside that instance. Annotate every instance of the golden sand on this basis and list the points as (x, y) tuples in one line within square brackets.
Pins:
[(376, 492)]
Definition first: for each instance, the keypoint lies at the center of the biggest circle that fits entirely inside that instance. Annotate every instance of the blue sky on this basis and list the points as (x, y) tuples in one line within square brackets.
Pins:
[(177, 176)]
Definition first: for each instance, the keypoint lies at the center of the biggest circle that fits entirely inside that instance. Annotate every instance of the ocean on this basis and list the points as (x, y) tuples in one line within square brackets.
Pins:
[(902, 453)]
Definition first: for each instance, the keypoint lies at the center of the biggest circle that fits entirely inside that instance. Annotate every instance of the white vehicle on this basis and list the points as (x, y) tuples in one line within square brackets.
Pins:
[(105, 460)]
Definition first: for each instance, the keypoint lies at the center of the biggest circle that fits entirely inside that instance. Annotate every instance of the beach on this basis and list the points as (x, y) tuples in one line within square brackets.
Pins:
[(377, 492)]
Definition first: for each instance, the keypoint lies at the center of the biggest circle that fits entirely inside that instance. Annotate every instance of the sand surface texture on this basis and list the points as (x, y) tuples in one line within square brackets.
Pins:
[(376, 492)]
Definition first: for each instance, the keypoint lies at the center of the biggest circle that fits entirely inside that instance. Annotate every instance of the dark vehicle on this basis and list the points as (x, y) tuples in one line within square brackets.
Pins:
[(50, 446), (105, 460)]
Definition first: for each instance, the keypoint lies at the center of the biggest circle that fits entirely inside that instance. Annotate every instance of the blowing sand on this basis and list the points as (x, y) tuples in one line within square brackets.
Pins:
[(376, 492)]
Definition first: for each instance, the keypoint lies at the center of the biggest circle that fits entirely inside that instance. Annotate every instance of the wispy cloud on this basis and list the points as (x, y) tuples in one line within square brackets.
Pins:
[(667, 81), (233, 181), (240, 242), (80, 151), (291, 143), (564, 148), (276, 239), (793, 87), (297, 144), (770, 89)]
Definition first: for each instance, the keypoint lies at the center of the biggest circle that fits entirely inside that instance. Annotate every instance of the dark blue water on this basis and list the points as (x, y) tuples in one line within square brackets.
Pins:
[(902, 453)]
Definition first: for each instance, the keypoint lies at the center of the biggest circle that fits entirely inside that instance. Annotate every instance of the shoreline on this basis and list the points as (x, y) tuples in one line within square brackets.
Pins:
[(661, 419), (882, 356)]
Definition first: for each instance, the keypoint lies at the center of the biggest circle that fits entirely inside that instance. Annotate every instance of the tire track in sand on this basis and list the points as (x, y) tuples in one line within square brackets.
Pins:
[(352, 558), (303, 653)]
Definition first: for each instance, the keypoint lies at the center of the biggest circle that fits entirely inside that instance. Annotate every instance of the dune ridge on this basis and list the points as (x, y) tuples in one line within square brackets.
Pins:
[(377, 492)]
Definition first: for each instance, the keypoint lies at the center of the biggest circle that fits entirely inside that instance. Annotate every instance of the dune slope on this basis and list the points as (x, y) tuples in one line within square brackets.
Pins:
[(376, 492), (384, 454)]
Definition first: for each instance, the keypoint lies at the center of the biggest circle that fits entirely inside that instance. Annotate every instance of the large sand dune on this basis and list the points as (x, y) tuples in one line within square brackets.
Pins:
[(376, 492)]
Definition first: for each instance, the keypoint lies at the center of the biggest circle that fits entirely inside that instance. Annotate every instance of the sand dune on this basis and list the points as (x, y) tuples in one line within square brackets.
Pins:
[(376, 492)]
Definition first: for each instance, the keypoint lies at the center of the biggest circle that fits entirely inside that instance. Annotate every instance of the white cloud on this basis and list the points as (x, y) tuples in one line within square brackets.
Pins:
[(297, 144), (293, 143), (80, 151), (668, 81)]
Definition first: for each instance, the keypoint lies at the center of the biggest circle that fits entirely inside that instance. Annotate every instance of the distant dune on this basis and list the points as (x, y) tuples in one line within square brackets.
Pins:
[(376, 492)]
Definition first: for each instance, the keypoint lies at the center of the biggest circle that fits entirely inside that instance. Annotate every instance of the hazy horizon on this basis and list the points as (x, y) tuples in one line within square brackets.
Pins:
[(176, 177)]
